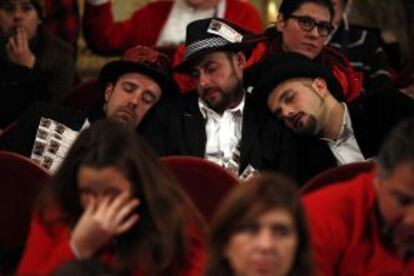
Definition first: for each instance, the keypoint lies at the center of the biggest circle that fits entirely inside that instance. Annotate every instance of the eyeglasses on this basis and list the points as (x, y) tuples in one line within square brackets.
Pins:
[(307, 24)]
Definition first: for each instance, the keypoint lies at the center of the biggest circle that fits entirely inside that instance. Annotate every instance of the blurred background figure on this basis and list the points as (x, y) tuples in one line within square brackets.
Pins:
[(113, 200), (260, 229), (35, 65), (63, 20), (362, 48), (159, 24)]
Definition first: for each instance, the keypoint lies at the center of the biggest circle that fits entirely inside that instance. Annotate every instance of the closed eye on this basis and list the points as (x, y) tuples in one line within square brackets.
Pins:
[(148, 98), (129, 87)]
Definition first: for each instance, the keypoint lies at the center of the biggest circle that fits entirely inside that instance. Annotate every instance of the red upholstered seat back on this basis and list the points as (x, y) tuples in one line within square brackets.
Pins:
[(21, 180), (205, 182), (336, 174)]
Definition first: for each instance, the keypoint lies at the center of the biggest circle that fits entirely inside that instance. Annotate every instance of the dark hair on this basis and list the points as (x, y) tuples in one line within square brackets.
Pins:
[(288, 7), (83, 268), (160, 239), (397, 148), (249, 200)]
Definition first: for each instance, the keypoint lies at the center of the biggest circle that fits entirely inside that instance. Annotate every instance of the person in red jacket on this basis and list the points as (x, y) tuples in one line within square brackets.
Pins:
[(365, 226), (111, 199), (159, 24)]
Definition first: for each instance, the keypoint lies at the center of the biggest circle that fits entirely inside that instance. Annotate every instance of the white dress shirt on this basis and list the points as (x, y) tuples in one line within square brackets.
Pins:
[(345, 148), (223, 132)]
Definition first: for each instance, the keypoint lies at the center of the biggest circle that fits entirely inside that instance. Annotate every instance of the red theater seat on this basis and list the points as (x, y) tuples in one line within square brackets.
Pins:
[(205, 182), (21, 179), (83, 96), (336, 174)]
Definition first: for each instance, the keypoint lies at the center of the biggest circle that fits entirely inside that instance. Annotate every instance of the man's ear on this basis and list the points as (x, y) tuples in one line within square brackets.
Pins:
[(240, 58), (280, 22), (108, 91), (320, 87)]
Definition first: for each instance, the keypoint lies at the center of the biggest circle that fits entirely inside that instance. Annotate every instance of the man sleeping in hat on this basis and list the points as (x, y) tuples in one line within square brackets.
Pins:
[(220, 121), (309, 100), (130, 88)]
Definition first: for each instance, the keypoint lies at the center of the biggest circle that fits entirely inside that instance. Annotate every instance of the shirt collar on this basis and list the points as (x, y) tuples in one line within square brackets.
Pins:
[(208, 112), (346, 128)]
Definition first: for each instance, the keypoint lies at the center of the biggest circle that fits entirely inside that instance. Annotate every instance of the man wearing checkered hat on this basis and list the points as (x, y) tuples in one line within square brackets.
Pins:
[(220, 121)]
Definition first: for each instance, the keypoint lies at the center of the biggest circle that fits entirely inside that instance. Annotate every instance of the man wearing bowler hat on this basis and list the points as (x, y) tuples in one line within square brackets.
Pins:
[(308, 99), (130, 88), (220, 121)]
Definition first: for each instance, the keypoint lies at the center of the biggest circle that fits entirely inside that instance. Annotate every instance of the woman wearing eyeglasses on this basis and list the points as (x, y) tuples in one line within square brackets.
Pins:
[(111, 200), (303, 26)]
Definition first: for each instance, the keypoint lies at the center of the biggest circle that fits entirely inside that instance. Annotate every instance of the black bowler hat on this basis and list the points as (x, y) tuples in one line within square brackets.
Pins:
[(288, 65), (142, 60), (214, 34)]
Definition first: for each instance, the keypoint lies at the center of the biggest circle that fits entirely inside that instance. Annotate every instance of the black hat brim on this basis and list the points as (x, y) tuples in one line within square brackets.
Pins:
[(187, 65), (278, 69), (113, 70)]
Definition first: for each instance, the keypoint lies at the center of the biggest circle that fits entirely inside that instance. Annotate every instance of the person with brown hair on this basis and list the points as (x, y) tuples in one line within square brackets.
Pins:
[(112, 200), (260, 229)]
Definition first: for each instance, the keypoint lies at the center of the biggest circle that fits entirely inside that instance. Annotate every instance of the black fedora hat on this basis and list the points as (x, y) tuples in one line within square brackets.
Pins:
[(285, 66), (214, 34), (142, 60)]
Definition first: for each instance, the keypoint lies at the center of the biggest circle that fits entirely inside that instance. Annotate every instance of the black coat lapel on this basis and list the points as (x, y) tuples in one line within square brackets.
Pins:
[(194, 130), (361, 129), (250, 129)]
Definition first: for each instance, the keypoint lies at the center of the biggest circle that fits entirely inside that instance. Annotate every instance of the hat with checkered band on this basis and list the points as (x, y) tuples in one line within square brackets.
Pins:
[(214, 34)]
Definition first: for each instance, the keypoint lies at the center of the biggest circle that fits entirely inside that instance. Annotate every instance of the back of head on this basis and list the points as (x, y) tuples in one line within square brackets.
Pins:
[(288, 7), (245, 204), (398, 148)]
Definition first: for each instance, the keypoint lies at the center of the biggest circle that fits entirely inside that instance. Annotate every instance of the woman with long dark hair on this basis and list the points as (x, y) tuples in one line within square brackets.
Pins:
[(111, 199), (260, 229)]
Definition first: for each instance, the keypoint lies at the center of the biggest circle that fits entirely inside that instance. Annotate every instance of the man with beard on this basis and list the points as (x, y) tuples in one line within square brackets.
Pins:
[(365, 226), (130, 87), (220, 121), (309, 100)]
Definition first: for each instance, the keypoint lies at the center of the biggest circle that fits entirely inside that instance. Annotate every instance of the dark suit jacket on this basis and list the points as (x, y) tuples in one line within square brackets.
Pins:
[(21, 139), (179, 129), (372, 119)]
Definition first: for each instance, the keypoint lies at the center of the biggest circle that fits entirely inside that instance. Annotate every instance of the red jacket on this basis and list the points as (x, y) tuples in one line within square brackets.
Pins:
[(345, 231), (48, 248), (108, 37)]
